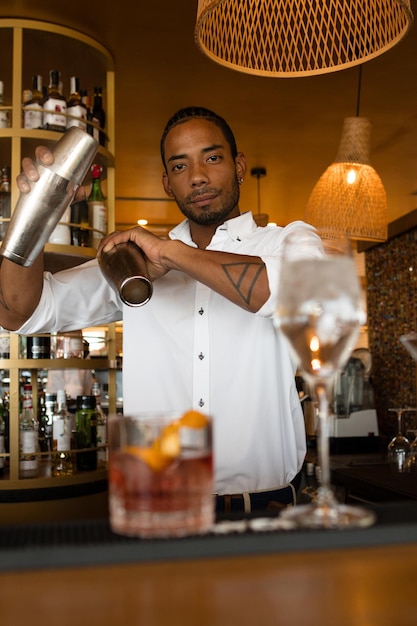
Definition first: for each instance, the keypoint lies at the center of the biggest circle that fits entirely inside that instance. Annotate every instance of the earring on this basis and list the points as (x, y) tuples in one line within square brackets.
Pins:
[(240, 181)]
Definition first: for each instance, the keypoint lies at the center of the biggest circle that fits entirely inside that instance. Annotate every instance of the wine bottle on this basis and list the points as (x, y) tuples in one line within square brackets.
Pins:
[(4, 113), (76, 110), (85, 98), (5, 201), (86, 433), (101, 426), (6, 419), (98, 117), (33, 108), (45, 429), (28, 436), (62, 420), (55, 105), (2, 436), (97, 207), (80, 229)]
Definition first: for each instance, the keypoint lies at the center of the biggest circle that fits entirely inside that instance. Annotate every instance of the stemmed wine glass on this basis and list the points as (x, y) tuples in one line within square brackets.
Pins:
[(399, 447), (319, 311)]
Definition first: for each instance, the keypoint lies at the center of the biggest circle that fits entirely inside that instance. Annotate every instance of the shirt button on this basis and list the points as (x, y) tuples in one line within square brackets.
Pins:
[(201, 402), (201, 311), (201, 356)]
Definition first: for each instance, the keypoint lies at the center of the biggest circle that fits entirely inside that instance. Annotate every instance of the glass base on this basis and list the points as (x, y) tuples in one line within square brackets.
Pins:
[(337, 516)]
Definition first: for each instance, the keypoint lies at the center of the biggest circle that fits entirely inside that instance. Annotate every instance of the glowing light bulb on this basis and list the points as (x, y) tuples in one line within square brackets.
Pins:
[(314, 344), (351, 177), (142, 222)]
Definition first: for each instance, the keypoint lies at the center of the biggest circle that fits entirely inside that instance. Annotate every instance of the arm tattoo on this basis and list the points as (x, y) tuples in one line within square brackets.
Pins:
[(243, 277)]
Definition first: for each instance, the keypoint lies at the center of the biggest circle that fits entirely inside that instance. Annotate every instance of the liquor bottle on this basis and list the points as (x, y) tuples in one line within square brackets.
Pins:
[(98, 117), (85, 99), (4, 114), (76, 110), (28, 436), (62, 433), (5, 201), (2, 436), (97, 207), (86, 433), (55, 105), (33, 108), (101, 426), (6, 419), (80, 229), (45, 426)]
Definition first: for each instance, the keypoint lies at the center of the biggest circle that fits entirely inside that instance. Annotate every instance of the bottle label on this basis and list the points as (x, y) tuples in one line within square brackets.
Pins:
[(28, 441), (98, 221), (79, 113), (62, 433), (54, 113), (33, 116)]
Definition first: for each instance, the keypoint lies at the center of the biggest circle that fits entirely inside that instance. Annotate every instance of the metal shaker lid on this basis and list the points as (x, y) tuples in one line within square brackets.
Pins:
[(73, 155)]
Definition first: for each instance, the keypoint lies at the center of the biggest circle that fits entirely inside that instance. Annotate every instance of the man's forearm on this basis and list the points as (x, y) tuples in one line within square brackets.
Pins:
[(242, 279), (20, 291)]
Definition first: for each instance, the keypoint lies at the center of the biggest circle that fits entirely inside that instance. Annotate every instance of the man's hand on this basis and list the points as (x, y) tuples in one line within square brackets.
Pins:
[(30, 171), (152, 247)]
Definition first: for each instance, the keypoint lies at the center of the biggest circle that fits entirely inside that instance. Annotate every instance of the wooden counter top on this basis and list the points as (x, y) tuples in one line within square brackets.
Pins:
[(347, 587), (79, 573)]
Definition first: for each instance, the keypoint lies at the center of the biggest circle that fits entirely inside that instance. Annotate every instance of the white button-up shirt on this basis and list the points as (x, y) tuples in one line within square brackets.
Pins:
[(190, 347)]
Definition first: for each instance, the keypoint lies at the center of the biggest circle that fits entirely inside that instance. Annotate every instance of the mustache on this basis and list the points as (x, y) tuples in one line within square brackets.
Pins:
[(208, 191)]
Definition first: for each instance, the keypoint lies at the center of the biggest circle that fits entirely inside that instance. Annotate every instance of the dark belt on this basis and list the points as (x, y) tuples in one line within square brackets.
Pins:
[(259, 501)]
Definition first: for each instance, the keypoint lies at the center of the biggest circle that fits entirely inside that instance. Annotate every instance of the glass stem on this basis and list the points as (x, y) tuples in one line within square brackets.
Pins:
[(399, 422), (325, 494)]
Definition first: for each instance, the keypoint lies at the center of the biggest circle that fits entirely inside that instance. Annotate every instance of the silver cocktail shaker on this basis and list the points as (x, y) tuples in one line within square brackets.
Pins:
[(124, 268), (38, 212)]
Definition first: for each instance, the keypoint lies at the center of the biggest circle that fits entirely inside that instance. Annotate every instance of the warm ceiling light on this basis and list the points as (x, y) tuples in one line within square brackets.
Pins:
[(287, 38), (350, 197), (142, 222)]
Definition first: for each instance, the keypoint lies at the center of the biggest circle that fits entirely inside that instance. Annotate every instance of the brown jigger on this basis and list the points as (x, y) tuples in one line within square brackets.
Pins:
[(124, 268)]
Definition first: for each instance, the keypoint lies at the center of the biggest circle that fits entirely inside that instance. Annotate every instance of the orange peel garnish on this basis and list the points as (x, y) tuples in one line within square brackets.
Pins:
[(167, 447), (194, 419), (153, 458)]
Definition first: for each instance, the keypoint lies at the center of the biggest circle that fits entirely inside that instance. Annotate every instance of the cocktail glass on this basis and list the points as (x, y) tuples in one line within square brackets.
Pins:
[(161, 474)]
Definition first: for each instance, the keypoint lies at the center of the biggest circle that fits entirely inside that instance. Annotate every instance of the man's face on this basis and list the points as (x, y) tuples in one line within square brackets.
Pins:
[(200, 173)]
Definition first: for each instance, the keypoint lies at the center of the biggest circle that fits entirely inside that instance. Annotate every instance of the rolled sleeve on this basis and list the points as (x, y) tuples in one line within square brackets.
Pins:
[(74, 299)]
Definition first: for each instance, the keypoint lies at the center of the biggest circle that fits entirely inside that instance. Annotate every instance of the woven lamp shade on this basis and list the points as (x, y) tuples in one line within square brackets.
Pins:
[(285, 38), (350, 197)]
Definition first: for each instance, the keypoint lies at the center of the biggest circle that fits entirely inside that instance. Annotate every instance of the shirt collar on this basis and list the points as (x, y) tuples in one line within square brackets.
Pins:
[(238, 228)]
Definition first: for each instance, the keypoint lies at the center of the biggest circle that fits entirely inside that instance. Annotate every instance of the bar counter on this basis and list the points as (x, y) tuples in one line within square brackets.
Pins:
[(81, 573)]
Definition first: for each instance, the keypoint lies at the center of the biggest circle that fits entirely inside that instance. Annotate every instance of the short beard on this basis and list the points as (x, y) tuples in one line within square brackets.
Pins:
[(230, 200)]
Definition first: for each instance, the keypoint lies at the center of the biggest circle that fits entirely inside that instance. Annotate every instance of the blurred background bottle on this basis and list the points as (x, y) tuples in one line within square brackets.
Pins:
[(28, 436), (76, 110), (33, 108), (62, 426), (86, 433), (99, 117), (4, 114), (2, 436), (80, 229), (97, 207), (5, 200), (101, 426), (55, 105)]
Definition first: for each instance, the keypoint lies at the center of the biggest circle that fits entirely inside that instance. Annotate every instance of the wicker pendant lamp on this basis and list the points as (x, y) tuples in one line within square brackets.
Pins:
[(350, 197), (286, 38)]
